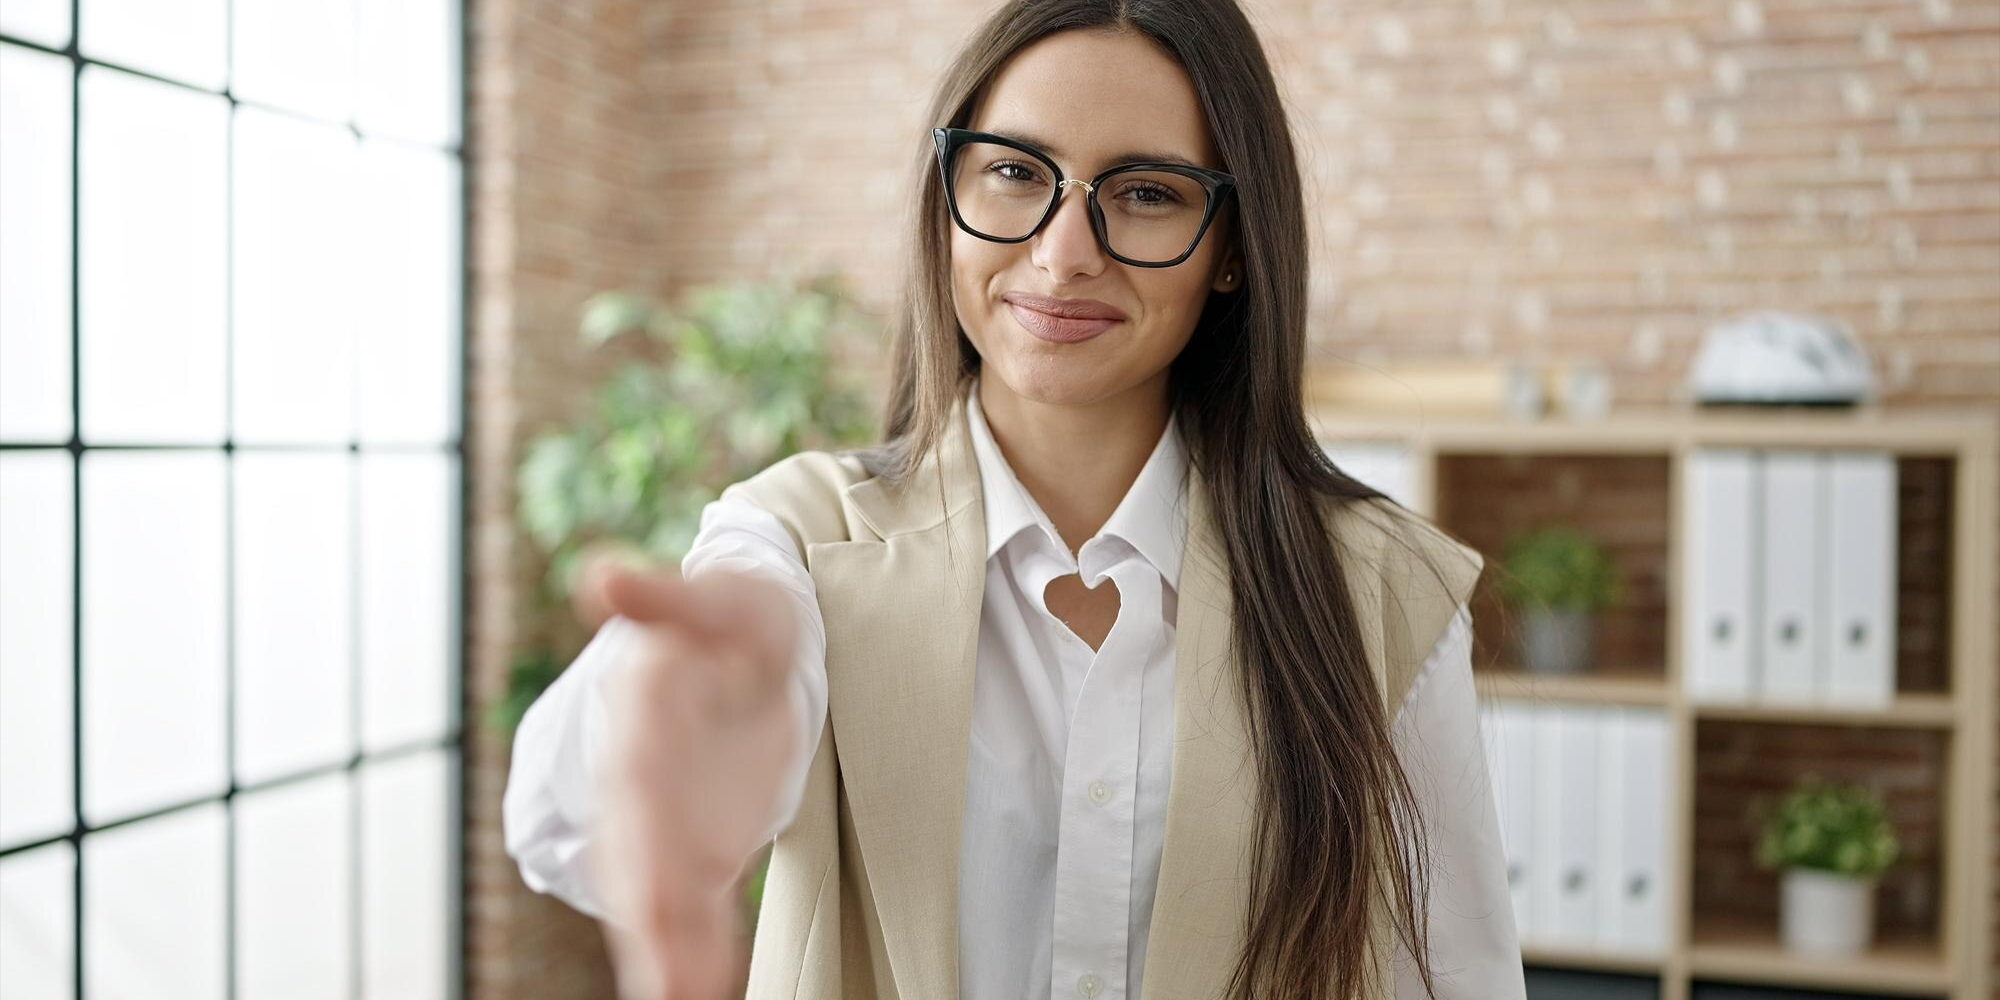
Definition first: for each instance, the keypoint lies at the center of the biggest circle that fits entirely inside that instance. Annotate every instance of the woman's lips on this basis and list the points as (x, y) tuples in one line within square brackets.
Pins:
[(1057, 328)]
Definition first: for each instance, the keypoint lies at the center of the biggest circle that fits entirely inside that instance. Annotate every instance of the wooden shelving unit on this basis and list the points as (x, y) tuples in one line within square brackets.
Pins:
[(1955, 963), (1914, 711), (1614, 689)]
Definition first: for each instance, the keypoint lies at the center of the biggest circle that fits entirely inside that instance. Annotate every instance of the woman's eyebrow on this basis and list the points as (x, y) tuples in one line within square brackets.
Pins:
[(1137, 156)]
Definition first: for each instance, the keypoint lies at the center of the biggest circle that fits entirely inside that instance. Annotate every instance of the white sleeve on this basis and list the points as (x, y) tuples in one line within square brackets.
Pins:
[(1474, 949), (549, 809)]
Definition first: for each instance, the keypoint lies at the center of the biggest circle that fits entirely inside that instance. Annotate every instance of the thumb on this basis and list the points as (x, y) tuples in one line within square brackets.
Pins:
[(646, 595), (639, 968), (594, 565), (734, 611)]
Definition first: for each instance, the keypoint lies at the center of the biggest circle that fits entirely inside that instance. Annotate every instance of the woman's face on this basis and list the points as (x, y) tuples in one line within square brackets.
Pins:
[(1085, 97)]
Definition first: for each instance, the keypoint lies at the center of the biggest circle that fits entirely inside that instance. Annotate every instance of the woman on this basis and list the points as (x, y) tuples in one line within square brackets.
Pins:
[(1249, 767)]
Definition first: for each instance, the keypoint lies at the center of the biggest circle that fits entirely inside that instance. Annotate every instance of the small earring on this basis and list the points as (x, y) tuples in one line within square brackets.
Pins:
[(1228, 276)]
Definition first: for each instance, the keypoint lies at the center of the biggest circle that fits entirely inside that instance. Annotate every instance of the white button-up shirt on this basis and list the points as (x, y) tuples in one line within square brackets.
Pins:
[(1070, 757), (1066, 779)]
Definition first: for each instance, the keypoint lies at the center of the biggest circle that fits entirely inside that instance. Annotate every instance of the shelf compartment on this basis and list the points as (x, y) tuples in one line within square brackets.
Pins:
[(1622, 501), (1739, 765), (1926, 543)]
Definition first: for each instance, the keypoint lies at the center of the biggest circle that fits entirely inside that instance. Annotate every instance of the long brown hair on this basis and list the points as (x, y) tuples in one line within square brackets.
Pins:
[(1332, 796)]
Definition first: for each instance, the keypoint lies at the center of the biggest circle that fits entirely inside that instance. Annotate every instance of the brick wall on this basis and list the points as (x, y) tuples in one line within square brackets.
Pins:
[(1488, 178), (563, 167)]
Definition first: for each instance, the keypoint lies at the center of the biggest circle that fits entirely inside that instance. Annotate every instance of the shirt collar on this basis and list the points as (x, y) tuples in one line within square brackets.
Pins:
[(1151, 517)]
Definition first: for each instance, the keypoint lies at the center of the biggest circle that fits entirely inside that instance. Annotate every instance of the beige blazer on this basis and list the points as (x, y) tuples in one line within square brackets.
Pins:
[(861, 897)]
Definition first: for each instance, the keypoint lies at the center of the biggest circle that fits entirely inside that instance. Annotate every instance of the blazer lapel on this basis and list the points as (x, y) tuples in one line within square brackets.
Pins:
[(902, 618), (1198, 908)]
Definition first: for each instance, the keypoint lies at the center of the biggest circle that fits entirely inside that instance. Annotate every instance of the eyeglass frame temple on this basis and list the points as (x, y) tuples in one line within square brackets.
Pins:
[(948, 140)]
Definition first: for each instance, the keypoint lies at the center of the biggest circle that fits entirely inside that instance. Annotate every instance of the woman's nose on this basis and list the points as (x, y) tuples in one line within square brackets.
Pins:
[(1067, 245)]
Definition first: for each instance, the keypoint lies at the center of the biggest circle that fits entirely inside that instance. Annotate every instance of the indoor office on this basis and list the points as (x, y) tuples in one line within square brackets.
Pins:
[(456, 499)]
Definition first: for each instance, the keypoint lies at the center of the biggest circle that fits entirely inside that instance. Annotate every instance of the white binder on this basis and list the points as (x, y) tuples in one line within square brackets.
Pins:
[(1789, 648), (1563, 886), (1544, 846), (1719, 561), (1510, 757), (1637, 896), (1613, 820), (1859, 542)]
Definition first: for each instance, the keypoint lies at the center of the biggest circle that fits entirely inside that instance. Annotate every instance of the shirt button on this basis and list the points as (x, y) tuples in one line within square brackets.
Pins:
[(1089, 985), (1100, 793)]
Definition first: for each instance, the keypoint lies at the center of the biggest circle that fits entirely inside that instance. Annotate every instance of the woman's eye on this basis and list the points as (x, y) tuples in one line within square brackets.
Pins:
[(1014, 171), (1151, 194)]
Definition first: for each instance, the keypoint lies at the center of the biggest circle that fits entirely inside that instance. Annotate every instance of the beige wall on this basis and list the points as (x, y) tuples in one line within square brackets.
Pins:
[(1488, 178)]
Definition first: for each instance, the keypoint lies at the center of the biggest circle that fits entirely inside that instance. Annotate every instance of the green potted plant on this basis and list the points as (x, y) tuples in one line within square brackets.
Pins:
[(1831, 841), (1557, 578), (732, 377)]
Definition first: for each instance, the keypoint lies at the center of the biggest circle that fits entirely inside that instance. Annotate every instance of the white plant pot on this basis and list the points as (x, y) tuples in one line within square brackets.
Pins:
[(1557, 640), (1825, 914)]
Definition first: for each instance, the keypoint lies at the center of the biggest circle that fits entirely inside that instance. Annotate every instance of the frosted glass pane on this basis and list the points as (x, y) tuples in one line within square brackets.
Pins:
[(37, 914), (408, 295), (297, 56), (293, 879), (44, 21), (37, 21), (409, 75), (36, 587), (294, 627), (153, 906), (153, 630), (180, 39), (152, 258), (295, 280), (408, 511), (407, 880), (34, 244)]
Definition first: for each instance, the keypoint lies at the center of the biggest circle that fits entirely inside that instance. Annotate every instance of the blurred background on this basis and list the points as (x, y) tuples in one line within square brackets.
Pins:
[(332, 330)]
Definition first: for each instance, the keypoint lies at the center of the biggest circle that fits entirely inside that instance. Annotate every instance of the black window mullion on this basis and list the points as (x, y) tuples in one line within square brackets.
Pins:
[(75, 53)]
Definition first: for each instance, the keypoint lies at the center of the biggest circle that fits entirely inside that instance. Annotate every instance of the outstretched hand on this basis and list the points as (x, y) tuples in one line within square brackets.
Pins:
[(701, 726)]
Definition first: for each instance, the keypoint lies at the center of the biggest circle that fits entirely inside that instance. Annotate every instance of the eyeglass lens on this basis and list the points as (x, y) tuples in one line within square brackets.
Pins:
[(1149, 215)]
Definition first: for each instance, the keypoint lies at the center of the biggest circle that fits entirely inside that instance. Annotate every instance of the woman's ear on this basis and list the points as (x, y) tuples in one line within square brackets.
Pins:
[(1229, 276)]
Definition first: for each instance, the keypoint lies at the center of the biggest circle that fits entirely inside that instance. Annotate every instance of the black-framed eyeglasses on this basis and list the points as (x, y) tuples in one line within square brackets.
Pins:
[(1003, 190)]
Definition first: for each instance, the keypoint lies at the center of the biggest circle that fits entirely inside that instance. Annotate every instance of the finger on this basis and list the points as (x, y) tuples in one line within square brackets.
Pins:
[(637, 966), (647, 595), (702, 953), (594, 564)]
